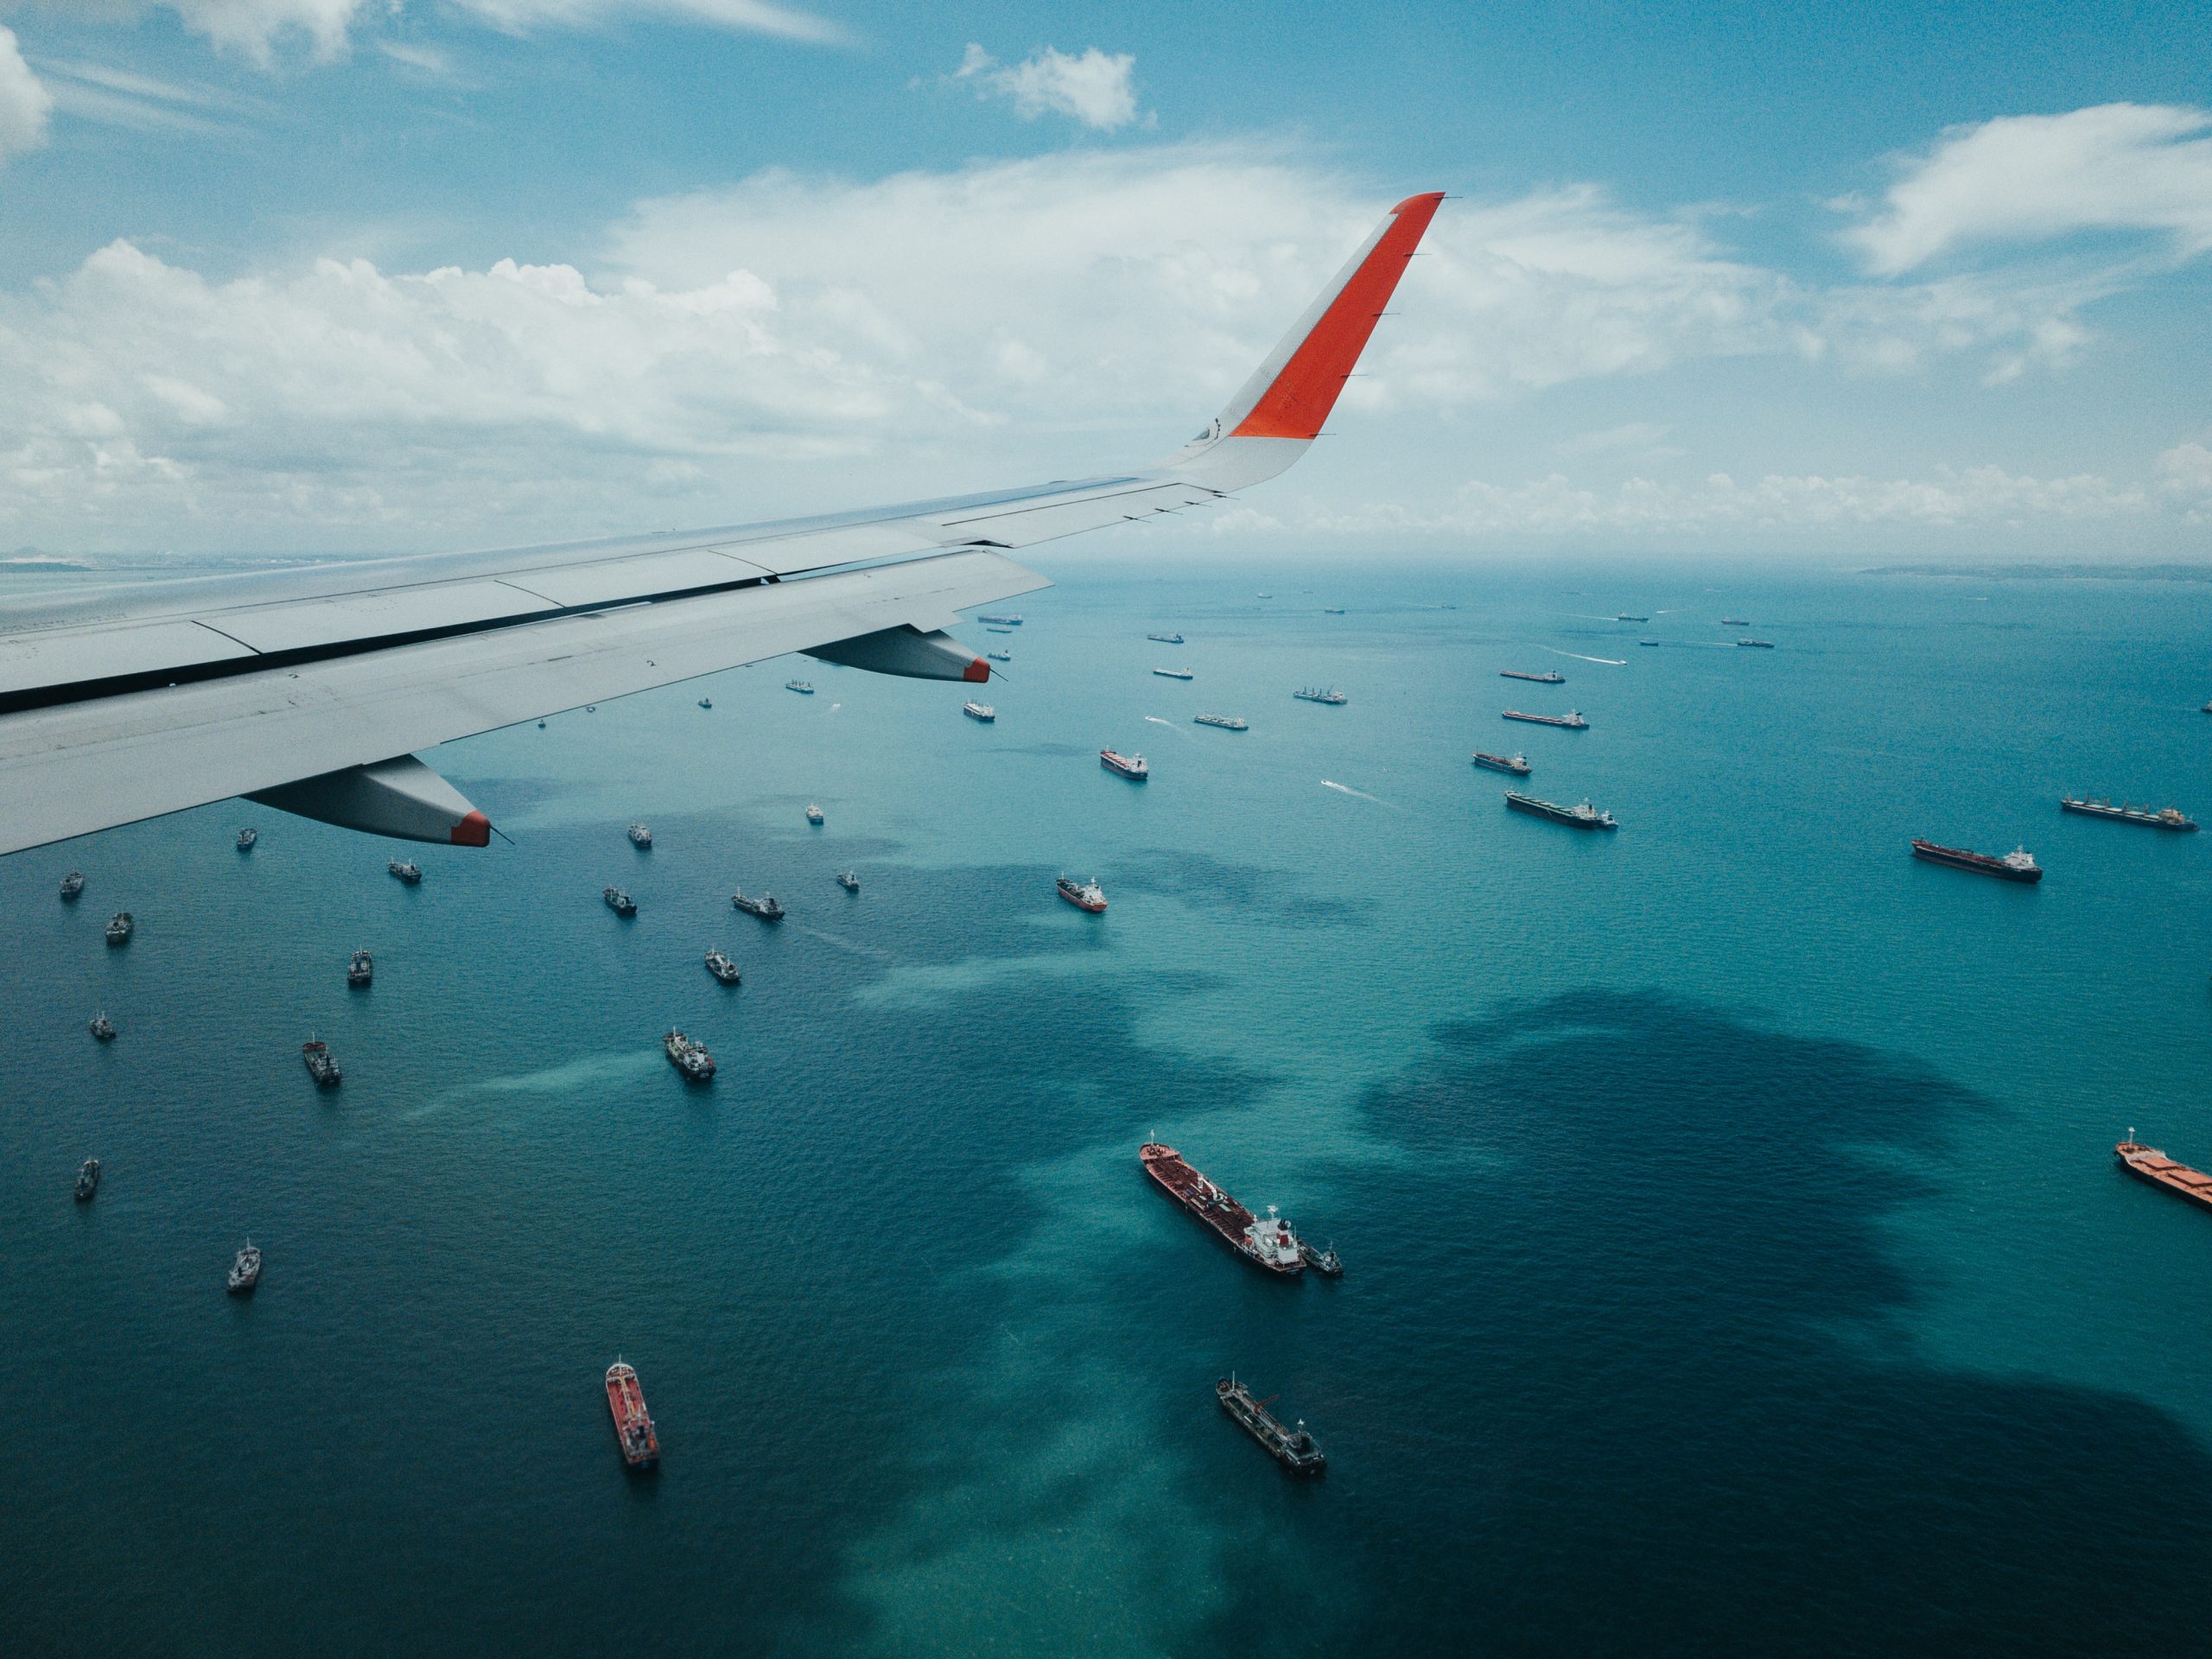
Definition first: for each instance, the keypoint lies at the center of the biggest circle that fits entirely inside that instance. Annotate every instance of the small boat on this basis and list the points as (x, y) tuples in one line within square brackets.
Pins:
[(641, 838), (247, 837), (1293, 1448), (1327, 1262), (998, 656), (1549, 676), (849, 880), (1327, 694), (246, 1271), (618, 901), (1755, 645), (1083, 895), (800, 686), (409, 872), (103, 1028), (1227, 723), (1174, 673), (320, 1066), (1332, 610), (633, 1427), (981, 711), (1131, 766), (764, 906), (814, 815), (689, 1058), (88, 1178), (1571, 720), (1165, 639), (72, 885), (360, 970), (120, 928), (1263, 595), (1516, 763), (1000, 621), (706, 702), (1647, 642), (721, 967)]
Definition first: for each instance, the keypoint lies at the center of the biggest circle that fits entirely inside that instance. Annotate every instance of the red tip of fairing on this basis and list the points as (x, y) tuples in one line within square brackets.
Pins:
[(976, 672), (475, 830)]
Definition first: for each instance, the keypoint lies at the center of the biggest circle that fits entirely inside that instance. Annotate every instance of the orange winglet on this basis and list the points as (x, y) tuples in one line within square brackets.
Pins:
[(1302, 395)]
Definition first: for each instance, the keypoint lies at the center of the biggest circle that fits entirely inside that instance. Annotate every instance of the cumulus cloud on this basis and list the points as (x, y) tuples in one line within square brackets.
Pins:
[(24, 102), (2115, 167), (1094, 88), (257, 28)]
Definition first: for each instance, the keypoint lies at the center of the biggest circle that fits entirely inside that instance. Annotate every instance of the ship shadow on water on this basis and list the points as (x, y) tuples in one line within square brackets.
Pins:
[(1627, 1372)]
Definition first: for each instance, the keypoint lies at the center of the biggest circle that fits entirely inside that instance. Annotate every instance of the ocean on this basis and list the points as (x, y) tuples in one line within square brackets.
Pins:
[(1736, 1261)]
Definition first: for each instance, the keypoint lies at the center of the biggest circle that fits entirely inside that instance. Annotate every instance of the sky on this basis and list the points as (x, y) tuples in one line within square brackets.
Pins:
[(1823, 282)]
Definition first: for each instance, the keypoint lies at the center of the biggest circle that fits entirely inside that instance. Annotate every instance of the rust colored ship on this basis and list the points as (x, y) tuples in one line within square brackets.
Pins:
[(634, 1426), (2149, 1164), (1268, 1243)]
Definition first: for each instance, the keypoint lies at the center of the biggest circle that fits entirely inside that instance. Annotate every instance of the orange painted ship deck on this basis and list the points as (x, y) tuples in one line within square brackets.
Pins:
[(2149, 1164)]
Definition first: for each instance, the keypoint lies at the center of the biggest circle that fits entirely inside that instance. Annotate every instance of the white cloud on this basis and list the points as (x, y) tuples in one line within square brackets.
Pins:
[(23, 102), (1094, 88), (259, 27), (752, 17), (2114, 166)]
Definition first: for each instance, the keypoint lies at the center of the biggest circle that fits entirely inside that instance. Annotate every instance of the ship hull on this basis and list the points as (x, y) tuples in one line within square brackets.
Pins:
[(634, 1426), (1123, 768), (1221, 1215), (1547, 719), (1498, 763), (1553, 813), (2121, 815), (1958, 858), (2153, 1168), (1536, 679)]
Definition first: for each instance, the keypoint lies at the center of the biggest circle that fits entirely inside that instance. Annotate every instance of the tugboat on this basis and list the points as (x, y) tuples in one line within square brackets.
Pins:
[(1327, 1262), (246, 1272), (2166, 818), (119, 929), (641, 838), (802, 687), (765, 908), (981, 711), (88, 1178), (1585, 817), (1268, 1243), (361, 971), (706, 702), (689, 1058), (1571, 720), (1327, 694), (320, 1066), (1174, 673), (1516, 763), (633, 1427), (814, 815), (618, 901), (246, 838), (407, 872), (721, 967), (2019, 865), (103, 1028), (1166, 639), (1293, 1448), (1083, 895), (849, 880), (72, 885), (1131, 766), (1227, 723), (1550, 676)]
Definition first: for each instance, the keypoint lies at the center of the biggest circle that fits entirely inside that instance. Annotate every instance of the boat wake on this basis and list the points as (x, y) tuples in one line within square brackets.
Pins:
[(1610, 662), (1154, 720), (1357, 794)]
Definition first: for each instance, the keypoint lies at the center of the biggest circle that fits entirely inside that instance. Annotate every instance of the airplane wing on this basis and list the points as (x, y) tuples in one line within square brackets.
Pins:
[(310, 690)]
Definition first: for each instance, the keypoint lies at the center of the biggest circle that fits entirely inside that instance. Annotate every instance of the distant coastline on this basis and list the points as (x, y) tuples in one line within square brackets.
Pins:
[(2052, 572)]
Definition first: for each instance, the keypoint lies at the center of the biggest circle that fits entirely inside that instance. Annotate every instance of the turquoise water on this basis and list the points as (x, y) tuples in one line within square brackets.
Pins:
[(1736, 1264)]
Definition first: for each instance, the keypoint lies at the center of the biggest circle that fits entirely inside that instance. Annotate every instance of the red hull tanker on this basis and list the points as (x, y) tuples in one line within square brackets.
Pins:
[(2149, 1164), (1268, 1243), (633, 1427)]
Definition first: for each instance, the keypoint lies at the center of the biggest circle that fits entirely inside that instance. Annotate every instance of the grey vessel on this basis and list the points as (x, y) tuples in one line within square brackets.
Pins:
[(407, 872), (103, 1028), (721, 967), (246, 1271), (764, 906), (1293, 1448), (618, 901), (88, 1178), (360, 969), (119, 929), (72, 885)]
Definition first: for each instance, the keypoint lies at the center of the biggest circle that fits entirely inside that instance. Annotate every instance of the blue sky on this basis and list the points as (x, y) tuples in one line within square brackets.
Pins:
[(352, 275)]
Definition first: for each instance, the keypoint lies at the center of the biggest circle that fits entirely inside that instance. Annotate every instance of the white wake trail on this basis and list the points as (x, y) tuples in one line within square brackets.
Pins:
[(1359, 794)]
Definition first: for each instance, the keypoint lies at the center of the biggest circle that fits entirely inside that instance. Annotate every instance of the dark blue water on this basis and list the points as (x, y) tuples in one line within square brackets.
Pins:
[(1736, 1261)]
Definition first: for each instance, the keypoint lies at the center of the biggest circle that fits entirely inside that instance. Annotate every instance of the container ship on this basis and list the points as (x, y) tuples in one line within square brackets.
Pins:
[(1293, 1448), (1083, 895), (633, 1425), (2019, 865), (1268, 1243), (2166, 818), (1548, 678), (1585, 817), (2149, 1164), (1516, 764), (1131, 766), (1571, 719)]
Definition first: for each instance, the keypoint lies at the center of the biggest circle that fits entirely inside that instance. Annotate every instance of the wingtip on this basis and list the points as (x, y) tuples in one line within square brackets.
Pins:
[(977, 672), (475, 830), (1426, 199)]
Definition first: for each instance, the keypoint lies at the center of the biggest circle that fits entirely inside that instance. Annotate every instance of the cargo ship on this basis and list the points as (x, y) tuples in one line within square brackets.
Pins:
[(764, 906), (120, 929), (689, 1058), (719, 965), (2166, 818), (849, 880), (1166, 639), (1585, 817), (1131, 766), (88, 1178), (1571, 719), (246, 1270), (1516, 763), (102, 1027), (1227, 723), (618, 901), (1735, 621), (1001, 621), (1083, 895), (407, 873), (1268, 1243), (641, 838), (1625, 617), (320, 1066), (1327, 694), (1547, 678), (1755, 645), (2019, 865), (981, 711), (72, 885), (998, 656), (1174, 673), (805, 688), (814, 815), (247, 837), (361, 971), (1293, 1448), (2149, 1164), (633, 1425)]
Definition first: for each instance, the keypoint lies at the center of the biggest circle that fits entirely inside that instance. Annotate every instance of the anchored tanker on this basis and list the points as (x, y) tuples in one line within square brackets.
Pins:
[(2018, 865), (1268, 1243)]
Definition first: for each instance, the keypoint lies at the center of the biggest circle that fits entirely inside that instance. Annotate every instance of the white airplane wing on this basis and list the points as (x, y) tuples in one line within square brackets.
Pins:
[(311, 690)]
